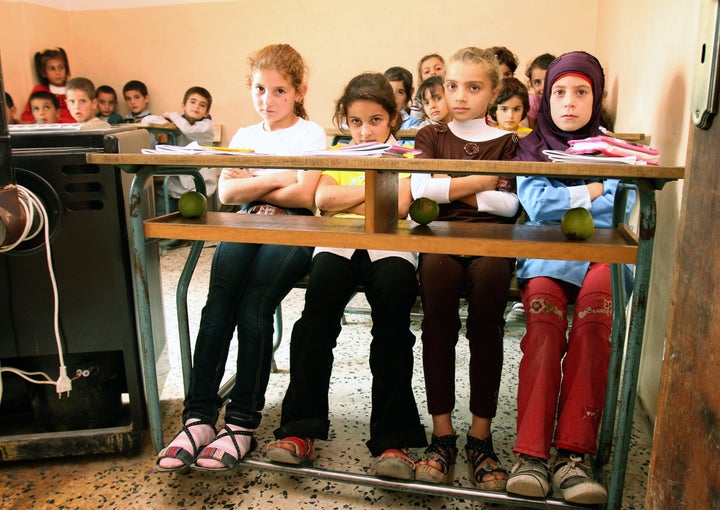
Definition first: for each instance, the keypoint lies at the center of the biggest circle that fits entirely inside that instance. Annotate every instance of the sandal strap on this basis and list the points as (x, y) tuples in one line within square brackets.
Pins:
[(171, 451), (226, 458), (402, 454), (301, 447), (481, 455), (442, 450)]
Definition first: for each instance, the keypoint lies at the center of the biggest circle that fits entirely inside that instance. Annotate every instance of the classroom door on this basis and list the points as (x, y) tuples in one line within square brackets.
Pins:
[(686, 453)]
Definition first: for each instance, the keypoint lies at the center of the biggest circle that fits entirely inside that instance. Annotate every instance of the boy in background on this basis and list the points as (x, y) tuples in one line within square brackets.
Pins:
[(81, 101), (106, 104), (137, 98), (10, 109), (44, 106), (195, 125)]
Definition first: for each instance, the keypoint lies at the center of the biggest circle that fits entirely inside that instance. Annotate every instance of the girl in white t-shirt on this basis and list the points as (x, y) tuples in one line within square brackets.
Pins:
[(248, 281)]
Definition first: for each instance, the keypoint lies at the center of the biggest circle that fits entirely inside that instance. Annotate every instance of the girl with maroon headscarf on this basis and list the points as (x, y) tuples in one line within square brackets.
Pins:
[(562, 379)]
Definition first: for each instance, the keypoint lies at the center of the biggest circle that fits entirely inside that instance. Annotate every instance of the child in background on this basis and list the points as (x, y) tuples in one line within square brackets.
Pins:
[(81, 101), (429, 65), (507, 111), (195, 125), (507, 61), (107, 104), (511, 106), (53, 71), (535, 73), (431, 93), (401, 81), (248, 280), (44, 106), (471, 83), (563, 375), (369, 108), (195, 122), (137, 99), (10, 109)]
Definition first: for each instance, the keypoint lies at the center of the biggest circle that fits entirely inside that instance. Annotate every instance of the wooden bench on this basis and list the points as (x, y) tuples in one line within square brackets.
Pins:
[(381, 229)]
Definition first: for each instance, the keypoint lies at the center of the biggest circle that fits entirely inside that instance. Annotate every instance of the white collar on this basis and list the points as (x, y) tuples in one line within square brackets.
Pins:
[(474, 130)]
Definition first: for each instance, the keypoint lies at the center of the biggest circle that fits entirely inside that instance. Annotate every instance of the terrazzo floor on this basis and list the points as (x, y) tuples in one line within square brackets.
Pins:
[(131, 482)]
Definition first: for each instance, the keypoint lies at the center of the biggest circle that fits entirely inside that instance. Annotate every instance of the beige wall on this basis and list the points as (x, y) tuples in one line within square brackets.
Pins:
[(646, 46), (173, 47)]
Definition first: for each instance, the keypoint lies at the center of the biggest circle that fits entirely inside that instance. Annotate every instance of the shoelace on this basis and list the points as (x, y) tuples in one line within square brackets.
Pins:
[(574, 467)]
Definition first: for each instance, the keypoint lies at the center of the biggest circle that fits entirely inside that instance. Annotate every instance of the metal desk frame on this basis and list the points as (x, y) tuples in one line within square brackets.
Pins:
[(644, 181)]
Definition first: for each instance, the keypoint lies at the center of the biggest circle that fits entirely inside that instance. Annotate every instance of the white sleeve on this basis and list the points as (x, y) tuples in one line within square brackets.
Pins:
[(201, 131), (580, 197), (423, 185), (500, 203)]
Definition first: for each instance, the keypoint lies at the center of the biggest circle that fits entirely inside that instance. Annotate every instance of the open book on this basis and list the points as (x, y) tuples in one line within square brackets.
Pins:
[(564, 157), (365, 149), (196, 148)]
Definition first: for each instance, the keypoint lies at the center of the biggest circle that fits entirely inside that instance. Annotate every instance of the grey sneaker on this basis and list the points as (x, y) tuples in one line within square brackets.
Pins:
[(573, 480), (516, 313), (530, 476)]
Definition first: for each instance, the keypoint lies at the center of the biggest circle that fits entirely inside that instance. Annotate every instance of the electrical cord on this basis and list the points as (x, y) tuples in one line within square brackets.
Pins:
[(32, 206)]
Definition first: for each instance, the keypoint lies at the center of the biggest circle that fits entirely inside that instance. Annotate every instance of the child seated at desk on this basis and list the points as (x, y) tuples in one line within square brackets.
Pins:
[(10, 109), (564, 369), (107, 104), (431, 94), (369, 109), (44, 107), (82, 102), (249, 280), (195, 125), (137, 99)]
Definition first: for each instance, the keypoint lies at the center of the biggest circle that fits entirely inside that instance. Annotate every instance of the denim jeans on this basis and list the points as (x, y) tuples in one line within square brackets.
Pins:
[(247, 282), (390, 288)]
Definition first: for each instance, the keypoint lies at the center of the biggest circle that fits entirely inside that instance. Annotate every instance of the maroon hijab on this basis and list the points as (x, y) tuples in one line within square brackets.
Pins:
[(546, 134)]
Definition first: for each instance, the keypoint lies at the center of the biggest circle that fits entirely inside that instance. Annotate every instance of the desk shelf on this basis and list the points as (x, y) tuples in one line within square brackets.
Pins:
[(489, 239)]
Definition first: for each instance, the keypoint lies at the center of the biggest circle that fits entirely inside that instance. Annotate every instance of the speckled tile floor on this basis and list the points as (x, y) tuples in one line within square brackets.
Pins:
[(131, 482)]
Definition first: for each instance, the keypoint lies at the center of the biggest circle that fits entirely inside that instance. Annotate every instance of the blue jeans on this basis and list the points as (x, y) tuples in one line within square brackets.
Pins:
[(391, 288), (247, 282)]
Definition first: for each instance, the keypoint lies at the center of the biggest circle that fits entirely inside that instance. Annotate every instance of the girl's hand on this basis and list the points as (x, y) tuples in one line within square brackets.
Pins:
[(595, 189), (235, 173)]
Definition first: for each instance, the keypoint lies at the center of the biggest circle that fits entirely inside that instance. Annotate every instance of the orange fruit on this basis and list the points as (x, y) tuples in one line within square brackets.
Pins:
[(192, 204)]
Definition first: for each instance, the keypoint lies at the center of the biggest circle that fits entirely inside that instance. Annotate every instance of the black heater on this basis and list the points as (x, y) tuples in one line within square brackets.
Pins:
[(87, 212)]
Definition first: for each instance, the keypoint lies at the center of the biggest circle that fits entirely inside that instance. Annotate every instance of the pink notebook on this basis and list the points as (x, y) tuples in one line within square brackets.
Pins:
[(613, 147)]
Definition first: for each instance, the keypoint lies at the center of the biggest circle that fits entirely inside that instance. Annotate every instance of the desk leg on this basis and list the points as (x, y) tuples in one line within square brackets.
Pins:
[(628, 389), (142, 303), (183, 286), (617, 345), (181, 303)]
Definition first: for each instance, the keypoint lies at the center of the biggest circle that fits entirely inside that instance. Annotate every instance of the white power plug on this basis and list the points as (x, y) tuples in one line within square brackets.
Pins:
[(63, 384)]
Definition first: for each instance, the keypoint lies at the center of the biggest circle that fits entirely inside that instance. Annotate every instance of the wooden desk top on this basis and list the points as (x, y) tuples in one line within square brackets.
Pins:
[(130, 162)]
